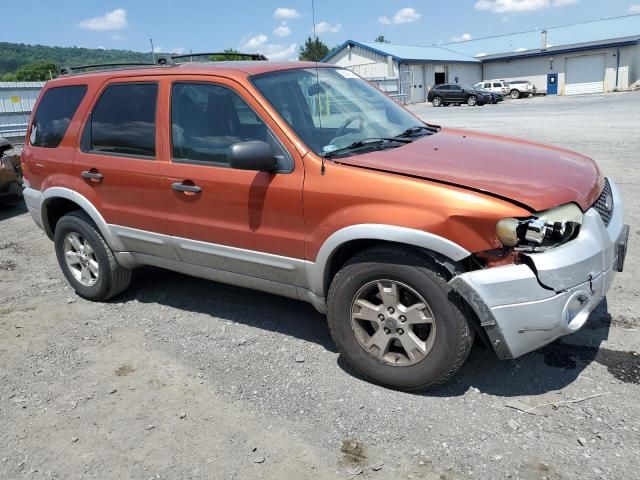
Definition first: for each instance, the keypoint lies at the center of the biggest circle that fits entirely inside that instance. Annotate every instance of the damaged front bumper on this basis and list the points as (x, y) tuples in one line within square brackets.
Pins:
[(523, 308)]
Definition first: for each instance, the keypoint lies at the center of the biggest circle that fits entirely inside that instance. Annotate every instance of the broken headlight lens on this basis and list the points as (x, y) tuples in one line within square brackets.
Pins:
[(544, 229)]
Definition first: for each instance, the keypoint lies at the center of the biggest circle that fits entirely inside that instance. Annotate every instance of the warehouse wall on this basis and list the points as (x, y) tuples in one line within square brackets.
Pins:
[(535, 69), (17, 99), (634, 70), (468, 73)]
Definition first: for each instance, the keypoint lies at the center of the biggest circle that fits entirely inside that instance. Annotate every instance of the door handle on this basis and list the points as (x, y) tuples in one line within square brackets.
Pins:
[(92, 175), (185, 188)]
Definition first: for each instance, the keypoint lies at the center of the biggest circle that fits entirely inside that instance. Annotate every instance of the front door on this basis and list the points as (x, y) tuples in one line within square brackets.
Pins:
[(246, 222), (117, 166), (552, 84)]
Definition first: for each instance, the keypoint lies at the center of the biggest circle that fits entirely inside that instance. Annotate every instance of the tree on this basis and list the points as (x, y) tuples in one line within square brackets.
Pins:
[(313, 50), (229, 54), (43, 70), (8, 77), (380, 39)]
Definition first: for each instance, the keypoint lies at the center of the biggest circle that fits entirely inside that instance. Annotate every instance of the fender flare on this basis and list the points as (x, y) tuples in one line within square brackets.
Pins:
[(316, 271), (88, 207)]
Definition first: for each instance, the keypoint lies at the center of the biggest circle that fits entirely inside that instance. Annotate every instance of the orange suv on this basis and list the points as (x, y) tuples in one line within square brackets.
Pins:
[(303, 180)]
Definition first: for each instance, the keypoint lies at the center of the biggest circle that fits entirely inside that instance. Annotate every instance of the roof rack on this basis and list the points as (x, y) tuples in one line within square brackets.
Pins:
[(68, 70), (162, 60), (169, 59)]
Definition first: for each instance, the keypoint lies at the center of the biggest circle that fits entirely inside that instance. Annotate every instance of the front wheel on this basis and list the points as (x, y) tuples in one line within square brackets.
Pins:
[(472, 101), (86, 260), (436, 102), (396, 320), (515, 94)]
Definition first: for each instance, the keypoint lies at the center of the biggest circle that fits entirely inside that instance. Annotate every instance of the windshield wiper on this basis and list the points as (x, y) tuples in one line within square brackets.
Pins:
[(366, 143), (419, 128)]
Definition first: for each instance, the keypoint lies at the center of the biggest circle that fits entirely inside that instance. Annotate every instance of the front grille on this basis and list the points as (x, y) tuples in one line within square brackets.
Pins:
[(604, 205)]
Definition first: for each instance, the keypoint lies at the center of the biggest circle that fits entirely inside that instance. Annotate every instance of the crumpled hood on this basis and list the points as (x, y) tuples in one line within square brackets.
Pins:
[(531, 174)]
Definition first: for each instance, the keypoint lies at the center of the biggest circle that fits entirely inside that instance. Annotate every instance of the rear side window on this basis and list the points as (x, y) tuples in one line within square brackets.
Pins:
[(56, 109), (124, 120)]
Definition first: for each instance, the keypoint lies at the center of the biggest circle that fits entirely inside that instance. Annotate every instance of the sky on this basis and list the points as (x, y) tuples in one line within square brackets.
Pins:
[(277, 28)]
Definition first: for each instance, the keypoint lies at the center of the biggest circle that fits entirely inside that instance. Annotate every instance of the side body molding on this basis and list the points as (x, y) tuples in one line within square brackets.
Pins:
[(86, 205), (317, 271)]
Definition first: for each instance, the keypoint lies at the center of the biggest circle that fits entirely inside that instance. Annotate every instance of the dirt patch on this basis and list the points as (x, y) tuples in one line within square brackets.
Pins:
[(124, 370), (353, 452), (8, 265), (625, 366)]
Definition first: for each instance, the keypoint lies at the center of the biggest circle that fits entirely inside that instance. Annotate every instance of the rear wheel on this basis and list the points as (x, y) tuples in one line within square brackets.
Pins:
[(86, 260), (515, 94), (472, 101), (436, 102), (396, 320)]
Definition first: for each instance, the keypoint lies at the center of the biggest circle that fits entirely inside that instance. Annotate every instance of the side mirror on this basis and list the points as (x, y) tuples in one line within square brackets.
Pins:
[(254, 155)]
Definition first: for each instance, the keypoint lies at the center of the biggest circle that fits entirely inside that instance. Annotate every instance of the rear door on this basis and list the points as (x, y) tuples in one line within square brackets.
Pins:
[(245, 222), (455, 93), (117, 166)]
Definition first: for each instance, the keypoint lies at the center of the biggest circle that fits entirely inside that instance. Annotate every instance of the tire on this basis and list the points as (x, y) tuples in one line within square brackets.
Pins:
[(515, 94), (107, 278), (472, 101), (452, 335), (437, 101)]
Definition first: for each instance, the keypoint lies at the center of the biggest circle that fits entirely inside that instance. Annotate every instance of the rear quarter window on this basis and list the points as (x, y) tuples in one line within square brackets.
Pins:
[(54, 114)]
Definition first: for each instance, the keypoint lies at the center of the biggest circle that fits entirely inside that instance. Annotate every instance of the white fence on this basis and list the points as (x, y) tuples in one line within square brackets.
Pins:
[(17, 99)]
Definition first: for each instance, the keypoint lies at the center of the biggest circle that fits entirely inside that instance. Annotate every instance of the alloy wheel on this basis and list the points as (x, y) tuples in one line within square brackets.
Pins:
[(393, 322), (81, 259)]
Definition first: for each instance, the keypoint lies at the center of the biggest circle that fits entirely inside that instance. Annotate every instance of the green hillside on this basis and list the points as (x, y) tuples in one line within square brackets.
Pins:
[(16, 55)]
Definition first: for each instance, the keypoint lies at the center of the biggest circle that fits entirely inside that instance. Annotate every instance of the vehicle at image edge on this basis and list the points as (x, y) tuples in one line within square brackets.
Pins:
[(455, 94), (521, 88), (10, 176), (305, 181), (495, 97), (495, 86)]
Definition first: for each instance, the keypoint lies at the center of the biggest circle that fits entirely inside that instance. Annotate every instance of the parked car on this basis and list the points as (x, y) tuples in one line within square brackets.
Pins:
[(453, 93), (412, 238), (495, 97), (10, 176), (495, 86), (521, 88)]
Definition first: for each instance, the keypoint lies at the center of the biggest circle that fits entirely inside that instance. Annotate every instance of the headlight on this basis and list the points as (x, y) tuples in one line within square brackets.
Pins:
[(544, 229)]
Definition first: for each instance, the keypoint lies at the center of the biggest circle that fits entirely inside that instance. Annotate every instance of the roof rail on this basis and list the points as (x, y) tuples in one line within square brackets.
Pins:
[(70, 70), (235, 55)]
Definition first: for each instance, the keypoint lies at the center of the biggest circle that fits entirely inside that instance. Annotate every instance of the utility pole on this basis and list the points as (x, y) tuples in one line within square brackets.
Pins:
[(153, 53)]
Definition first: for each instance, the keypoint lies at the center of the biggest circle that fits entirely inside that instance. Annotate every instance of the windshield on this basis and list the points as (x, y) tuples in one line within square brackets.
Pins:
[(334, 110)]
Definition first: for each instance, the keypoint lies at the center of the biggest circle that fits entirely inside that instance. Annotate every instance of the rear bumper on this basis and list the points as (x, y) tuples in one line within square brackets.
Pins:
[(522, 310), (33, 199)]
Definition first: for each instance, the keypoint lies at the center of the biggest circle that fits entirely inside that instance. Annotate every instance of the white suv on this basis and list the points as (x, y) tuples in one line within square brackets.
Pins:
[(521, 88), (495, 86)]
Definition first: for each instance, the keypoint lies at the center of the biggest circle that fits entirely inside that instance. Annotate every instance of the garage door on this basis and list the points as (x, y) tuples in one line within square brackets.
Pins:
[(584, 74)]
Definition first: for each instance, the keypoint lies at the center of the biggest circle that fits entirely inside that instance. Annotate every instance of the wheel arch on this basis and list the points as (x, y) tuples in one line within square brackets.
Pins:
[(344, 243), (58, 201)]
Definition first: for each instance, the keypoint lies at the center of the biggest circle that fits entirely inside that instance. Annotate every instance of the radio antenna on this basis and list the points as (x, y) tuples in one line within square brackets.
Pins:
[(315, 57)]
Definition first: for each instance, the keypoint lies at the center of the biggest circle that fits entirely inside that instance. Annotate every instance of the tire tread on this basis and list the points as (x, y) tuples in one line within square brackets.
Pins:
[(411, 258)]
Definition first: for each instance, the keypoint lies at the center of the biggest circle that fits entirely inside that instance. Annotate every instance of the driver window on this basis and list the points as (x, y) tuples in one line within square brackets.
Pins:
[(207, 119)]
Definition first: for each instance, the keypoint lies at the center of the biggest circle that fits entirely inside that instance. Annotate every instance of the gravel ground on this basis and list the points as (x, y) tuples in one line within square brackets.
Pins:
[(182, 378)]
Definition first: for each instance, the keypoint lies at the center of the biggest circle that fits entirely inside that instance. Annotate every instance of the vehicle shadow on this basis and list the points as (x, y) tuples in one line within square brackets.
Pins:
[(550, 368), (10, 211), (250, 307)]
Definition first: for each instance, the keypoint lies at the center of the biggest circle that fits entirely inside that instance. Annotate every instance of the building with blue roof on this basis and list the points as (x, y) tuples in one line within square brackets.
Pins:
[(589, 57)]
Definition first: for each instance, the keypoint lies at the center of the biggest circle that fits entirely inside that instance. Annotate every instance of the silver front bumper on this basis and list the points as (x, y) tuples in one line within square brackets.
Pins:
[(522, 309)]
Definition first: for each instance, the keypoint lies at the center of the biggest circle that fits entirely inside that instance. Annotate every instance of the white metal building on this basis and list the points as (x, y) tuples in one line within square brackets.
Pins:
[(590, 57), (406, 71)]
